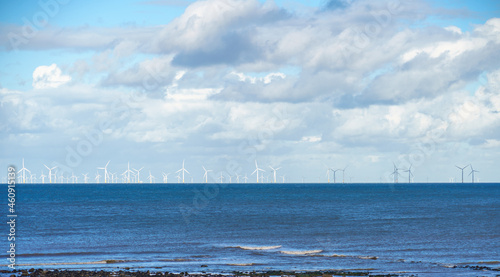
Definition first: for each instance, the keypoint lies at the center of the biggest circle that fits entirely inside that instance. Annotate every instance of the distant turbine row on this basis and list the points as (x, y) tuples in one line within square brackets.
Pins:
[(132, 175)]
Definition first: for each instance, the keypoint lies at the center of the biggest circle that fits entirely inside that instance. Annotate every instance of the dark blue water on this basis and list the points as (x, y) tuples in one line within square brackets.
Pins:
[(418, 228)]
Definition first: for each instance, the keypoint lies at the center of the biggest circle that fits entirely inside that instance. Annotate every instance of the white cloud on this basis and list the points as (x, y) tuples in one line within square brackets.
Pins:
[(310, 139), (49, 77), (266, 79)]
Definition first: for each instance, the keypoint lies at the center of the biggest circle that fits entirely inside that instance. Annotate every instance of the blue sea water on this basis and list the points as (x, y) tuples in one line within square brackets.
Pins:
[(423, 229)]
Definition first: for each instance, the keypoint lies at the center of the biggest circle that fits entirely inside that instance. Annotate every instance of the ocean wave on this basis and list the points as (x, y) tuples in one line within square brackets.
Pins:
[(242, 264), (349, 256), (58, 254), (488, 262), (367, 257), (76, 263), (304, 252), (176, 260), (247, 247)]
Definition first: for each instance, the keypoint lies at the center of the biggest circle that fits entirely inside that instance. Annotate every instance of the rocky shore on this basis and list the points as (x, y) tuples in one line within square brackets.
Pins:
[(122, 273)]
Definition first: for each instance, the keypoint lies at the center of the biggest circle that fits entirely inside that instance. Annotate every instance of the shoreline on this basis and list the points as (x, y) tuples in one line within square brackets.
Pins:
[(138, 273), (131, 273)]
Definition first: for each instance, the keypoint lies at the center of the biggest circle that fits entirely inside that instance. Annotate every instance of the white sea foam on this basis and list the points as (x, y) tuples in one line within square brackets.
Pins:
[(304, 252), (76, 263), (368, 257), (243, 264), (246, 247)]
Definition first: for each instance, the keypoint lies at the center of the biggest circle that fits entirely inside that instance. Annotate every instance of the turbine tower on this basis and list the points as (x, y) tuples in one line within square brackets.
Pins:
[(127, 172), (257, 169), (182, 170), (472, 172), (85, 177), (150, 177), (334, 174), (462, 168), (43, 178), (274, 172), (221, 178), (165, 177), (23, 170), (395, 173), (205, 176), (328, 173), (105, 172), (343, 173), (138, 174), (409, 173), (50, 172)]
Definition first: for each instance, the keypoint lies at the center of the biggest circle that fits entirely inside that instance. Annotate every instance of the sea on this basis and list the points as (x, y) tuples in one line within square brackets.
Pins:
[(431, 229)]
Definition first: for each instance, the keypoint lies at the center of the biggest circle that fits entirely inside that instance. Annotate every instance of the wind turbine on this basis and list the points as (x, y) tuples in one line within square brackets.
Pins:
[(221, 178), (328, 173), (150, 177), (113, 177), (32, 177), (472, 172), (43, 178), (245, 178), (73, 178), (179, 178), (97, 177), (127, 172), (165, 177), (105, 172), (343, 173), (138, 174), (257, 169), (409, 173), (85, 177), (462, 168), (23, 170), (334, 174), (206, 174), (182, 170), (283, 176), (274, 172), (395, 173)]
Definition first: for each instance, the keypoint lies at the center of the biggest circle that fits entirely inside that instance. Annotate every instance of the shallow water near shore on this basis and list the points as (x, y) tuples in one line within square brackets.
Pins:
[(425, 229)]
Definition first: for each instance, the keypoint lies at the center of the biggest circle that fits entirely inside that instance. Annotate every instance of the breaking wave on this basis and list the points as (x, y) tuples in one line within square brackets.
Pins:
[(304, 252), (247, 247)]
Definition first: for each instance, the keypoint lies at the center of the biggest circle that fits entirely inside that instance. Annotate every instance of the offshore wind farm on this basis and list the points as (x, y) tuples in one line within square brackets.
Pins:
[(205, 176)]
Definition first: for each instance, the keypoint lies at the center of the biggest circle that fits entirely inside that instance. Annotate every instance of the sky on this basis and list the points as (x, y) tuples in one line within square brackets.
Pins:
[(304, 85)]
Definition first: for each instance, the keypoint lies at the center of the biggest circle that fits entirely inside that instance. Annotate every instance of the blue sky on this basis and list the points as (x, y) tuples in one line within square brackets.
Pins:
[(297, 84)]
